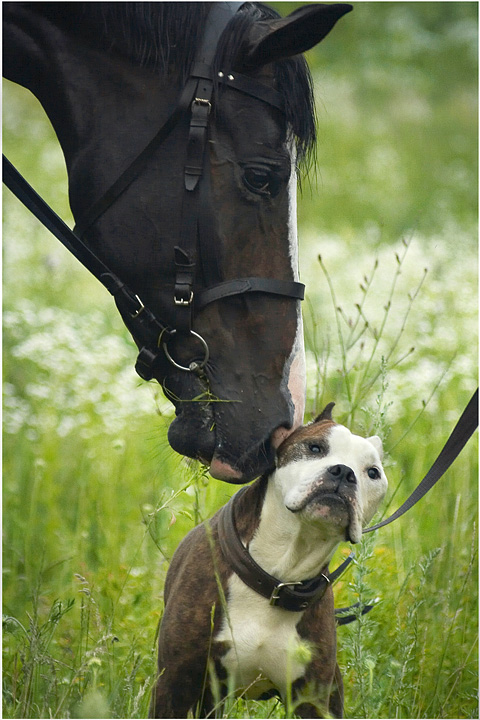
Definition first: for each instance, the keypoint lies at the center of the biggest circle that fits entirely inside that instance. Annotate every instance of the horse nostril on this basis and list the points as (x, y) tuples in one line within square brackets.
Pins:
[(343, 472)]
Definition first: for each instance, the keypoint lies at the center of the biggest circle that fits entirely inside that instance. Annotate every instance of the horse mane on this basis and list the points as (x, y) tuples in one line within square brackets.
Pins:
[(165, 35), (161, 35)]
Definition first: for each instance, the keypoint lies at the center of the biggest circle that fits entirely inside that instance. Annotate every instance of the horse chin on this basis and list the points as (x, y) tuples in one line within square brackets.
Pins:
[(193, 434), (257, 458), (221, 470), (189, 437), (203, 431)]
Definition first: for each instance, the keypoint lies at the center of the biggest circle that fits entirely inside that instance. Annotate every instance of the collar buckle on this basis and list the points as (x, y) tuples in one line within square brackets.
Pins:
[(275, 596)]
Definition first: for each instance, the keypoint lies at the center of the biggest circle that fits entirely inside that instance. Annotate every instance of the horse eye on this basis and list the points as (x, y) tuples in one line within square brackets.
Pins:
[(373, 473), (261, 181)]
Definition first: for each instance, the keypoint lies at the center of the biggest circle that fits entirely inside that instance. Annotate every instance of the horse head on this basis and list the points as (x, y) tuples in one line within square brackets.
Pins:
[(105, 98)]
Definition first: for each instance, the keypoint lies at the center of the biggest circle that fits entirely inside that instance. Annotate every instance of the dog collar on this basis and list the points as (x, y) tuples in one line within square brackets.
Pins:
[(293, 596)]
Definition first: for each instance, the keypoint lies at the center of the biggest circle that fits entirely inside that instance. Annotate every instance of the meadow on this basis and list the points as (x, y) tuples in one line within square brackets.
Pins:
[(94, 500)]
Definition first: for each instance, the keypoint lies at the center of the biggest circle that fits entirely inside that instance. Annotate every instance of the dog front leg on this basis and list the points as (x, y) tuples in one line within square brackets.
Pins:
[(336, 697), (168, 702), (309, 699), (177, 691), (317, 699)]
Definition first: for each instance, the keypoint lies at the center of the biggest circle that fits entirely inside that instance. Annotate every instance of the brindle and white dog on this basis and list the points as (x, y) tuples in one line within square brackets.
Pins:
[(326, 485)]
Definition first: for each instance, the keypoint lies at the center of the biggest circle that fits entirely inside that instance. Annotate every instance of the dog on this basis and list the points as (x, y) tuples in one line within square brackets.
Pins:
[(237, 605)]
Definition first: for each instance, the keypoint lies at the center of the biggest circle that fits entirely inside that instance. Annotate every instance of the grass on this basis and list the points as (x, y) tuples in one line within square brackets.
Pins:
[(95, 502)]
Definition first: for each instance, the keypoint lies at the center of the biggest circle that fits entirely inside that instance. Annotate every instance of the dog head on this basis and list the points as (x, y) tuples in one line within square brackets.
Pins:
[(329, 476)]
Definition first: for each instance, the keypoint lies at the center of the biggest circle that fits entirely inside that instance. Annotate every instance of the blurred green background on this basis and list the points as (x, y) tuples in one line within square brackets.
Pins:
[(93, 499)]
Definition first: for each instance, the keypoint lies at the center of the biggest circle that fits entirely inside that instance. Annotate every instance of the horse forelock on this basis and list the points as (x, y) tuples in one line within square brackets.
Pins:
[(165, 35)]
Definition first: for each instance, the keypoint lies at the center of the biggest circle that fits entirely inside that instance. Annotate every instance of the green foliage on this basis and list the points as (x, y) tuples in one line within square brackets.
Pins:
[(396, 93), (95, 502)]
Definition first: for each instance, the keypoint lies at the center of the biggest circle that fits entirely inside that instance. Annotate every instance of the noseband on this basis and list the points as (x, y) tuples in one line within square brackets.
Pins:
[(150, 333)]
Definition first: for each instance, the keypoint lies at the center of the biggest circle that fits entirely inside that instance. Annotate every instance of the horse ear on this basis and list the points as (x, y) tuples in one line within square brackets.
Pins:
[(326, 414), (294, 34)]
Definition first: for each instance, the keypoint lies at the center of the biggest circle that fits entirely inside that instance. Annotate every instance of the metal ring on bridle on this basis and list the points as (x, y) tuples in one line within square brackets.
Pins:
[(194, 366)]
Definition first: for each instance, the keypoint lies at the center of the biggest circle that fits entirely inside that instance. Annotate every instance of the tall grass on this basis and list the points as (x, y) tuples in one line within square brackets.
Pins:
[(93, 513), (398, 658), (95, 502)]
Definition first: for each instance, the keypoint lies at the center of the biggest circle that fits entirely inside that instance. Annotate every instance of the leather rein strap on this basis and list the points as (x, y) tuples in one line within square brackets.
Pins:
[(143, 324), (149, 332), (293, 596), (462, 432), (143, 321)]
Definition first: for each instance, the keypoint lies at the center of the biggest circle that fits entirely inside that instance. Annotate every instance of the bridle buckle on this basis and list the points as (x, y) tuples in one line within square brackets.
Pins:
[(203, 102), (139, 310), (182, 301)]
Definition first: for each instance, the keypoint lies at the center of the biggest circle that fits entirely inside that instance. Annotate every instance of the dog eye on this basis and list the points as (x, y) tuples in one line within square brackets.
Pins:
[(314, 448), (373, 473)]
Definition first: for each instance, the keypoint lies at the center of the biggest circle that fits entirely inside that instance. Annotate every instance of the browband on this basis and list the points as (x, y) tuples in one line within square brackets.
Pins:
[(242, 83)]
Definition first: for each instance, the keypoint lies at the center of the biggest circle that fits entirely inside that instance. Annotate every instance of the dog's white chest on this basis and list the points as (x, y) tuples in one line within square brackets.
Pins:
[(262, 639)]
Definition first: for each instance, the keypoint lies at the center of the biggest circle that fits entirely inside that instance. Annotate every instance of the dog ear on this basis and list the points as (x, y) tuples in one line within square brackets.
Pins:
[(326, 413), (377, 444), (294, 34)]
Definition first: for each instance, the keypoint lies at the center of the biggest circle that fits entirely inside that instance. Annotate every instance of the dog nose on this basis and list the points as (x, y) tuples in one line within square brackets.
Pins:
[(342, 473)]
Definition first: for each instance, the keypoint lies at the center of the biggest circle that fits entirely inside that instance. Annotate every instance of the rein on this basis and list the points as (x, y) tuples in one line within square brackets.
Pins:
[(461, 433), (150, 333)]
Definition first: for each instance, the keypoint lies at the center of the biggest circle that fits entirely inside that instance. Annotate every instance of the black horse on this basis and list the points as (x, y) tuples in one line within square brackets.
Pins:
[(109, 75)]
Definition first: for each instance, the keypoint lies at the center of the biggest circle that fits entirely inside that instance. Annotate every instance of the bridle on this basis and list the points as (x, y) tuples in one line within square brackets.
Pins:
[(151, 333)]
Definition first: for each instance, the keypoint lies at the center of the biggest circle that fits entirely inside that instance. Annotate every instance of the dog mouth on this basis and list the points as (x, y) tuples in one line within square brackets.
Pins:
[(325, 506), (320, 498)]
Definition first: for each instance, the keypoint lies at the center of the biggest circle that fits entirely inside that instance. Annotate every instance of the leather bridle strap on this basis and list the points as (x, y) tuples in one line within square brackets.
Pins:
[(150, 334), (241, 83), (17, 184), (218, 18), (99, 207), (461, 433), (229, 288), (292, 596), (49, 219), (141, 322)]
